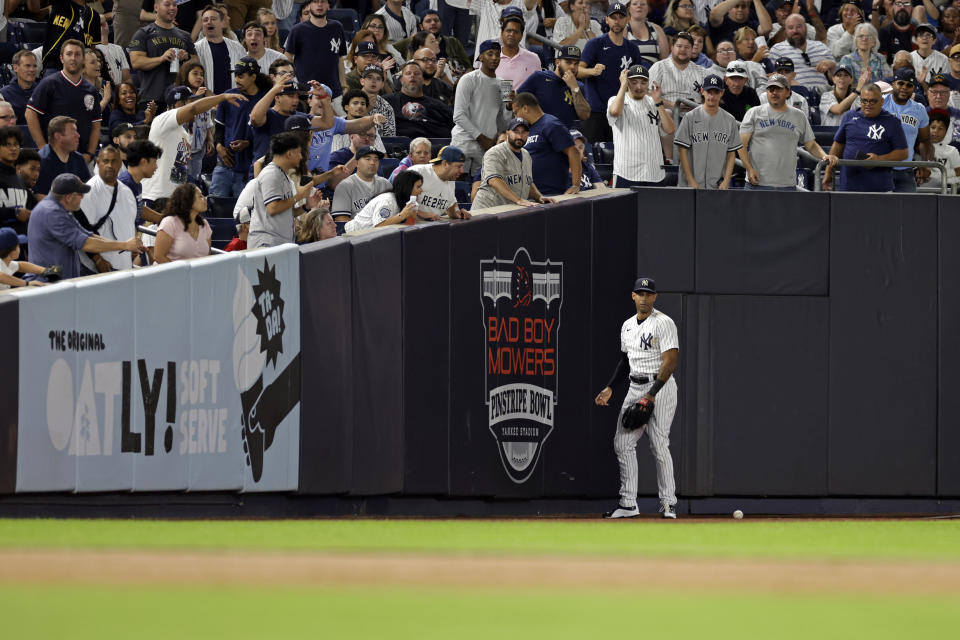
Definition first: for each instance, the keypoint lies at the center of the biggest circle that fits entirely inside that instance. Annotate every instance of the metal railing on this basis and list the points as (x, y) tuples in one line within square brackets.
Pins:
[(913, 164), (153, 232)]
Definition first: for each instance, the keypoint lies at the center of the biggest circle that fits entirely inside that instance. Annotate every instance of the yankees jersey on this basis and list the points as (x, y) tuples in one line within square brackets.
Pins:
[(775, 136), (644, 341), (398, 27), (515, 169), (615, 59), (912, 116), (317, 52), (708, 140), (636, 140), (353, 194), (935, 63), (68, 20), (58, 95), (677, 83)]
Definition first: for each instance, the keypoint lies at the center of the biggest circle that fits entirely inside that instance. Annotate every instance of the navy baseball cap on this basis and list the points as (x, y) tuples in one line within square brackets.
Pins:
[(939, 79), (843, 67), (511, 13), (768, 65), (366, 47), (487, 45), (177, 94), (905, 74), (67, 183), (929, 28), (290, 88), (366, 150), (371, 68), (637, 71), (517, 122), (120, 129), (645, 284), (570, 52), (246, 64), (575, 133), (298, 123), (8, 240), (784, 64), (449, 153), (617, 7), (712, 81)]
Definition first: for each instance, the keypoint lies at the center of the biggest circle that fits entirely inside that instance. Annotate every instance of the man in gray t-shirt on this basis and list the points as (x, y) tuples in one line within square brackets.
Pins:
[(275, 198), (707, 140), (770, 135), (353, 193), (507, 175), (154, 47)]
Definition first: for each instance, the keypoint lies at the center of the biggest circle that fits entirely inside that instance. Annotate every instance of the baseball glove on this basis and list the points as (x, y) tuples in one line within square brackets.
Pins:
[(637, 415)]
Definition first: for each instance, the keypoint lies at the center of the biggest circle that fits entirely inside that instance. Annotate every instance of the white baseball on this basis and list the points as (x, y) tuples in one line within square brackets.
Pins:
[(738, 515)]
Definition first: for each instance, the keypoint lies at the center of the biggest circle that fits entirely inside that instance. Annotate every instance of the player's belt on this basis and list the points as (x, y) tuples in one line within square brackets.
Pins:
[(642, 379)]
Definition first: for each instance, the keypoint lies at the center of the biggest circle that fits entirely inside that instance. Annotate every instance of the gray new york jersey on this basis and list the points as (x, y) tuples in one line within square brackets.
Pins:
[(501, 162), (353, 194), (775, 136), (707, 139)]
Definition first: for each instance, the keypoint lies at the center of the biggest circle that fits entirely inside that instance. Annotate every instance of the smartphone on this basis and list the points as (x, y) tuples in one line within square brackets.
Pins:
[(761, 41), (860, 156)]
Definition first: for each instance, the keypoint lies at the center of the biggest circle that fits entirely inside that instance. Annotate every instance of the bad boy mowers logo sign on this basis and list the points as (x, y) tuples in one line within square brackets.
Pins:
[(521, 317)]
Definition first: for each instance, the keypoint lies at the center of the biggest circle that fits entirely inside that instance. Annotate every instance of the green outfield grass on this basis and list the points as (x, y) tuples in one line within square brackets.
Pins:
[(99, 613), (831, 539)]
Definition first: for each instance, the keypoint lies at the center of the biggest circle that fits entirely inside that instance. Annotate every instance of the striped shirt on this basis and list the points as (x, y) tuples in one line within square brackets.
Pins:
[(805, 62), (678, 83), (644, 342), (636, 139)]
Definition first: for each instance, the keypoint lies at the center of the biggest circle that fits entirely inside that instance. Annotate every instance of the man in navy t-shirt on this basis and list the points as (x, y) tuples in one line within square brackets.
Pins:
[(60, 155), (272, 110), (868, 134), (559, 91), (316, 48), (601, 63), (233, 144), (556, 161)]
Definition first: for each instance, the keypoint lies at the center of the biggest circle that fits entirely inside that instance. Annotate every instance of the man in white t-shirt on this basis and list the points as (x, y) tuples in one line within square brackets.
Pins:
[(439, 194), (167, 132), (111, 208)]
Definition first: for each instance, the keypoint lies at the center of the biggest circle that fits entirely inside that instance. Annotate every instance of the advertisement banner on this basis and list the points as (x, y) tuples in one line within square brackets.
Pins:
[(182, 376)]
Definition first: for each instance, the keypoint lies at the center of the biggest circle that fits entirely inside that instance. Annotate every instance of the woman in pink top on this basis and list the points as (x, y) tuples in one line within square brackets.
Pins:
[(183, 231)]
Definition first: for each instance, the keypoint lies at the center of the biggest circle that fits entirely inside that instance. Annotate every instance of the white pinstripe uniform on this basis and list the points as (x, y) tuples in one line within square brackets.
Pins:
[(644, 344), (678, 83), (636, 140)]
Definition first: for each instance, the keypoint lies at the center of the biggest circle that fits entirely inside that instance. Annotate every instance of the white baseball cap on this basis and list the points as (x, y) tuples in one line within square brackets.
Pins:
[(736, 69)]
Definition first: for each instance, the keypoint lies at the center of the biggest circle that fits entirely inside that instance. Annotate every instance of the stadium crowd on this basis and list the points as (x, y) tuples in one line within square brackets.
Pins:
[(295, 122)]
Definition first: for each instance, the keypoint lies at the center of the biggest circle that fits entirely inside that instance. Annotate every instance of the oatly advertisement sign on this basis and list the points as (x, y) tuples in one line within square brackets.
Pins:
[(521, 318), (176, 377)]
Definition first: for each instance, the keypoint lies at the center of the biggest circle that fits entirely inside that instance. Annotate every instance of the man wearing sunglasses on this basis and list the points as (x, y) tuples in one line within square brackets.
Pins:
[(811, 58), (868, 134), (916, 128)]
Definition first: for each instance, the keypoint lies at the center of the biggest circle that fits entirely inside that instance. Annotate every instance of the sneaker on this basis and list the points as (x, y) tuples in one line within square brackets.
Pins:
[(623, 512), (668, 511)]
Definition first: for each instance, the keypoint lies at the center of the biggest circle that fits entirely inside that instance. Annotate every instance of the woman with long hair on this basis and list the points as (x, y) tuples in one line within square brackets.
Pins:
[(843, 97), (378, 25), (267, 18), (191, 75), (316, 224), (93, 73), (648, 36), (680, 17), (365, 35), (392, 207), (126, 110), (183, 231)]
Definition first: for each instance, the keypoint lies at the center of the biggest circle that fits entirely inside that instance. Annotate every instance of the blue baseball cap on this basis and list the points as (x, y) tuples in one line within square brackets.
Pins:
[(246, 64), (449, 153), (712, 81), (298, 123), (511, 13), (366, 47), (517, 122), (177, 94), (487, 45), (905, 74), (67, 183), (570, 52), (8, 240), (617, 7), (366, 150), (646, 284)]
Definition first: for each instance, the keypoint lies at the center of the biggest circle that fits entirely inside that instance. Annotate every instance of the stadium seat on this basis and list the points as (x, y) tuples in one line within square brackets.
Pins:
[(387, 165), (396, 146), (346, 17), (220, 207), (462, 190), (224, 229), (35, 31), (27, 138), (605, 170), (672, 171), (824, 135), (603, 153), (437, 144)]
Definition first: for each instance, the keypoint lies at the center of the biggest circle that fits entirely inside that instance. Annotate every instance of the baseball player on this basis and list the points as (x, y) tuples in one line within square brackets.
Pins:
[(637, 118), (708, 138), (507, 175), (650, 347)]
